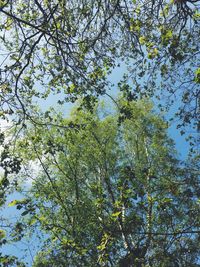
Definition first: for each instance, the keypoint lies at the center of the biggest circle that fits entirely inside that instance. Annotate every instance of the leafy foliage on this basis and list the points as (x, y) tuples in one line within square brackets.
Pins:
[(113, 193), (71, 47)]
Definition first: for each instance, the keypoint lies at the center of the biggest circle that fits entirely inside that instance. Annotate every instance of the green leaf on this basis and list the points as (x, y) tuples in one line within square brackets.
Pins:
[(2, 234), (116, 214), (13, 203), (197, 75)]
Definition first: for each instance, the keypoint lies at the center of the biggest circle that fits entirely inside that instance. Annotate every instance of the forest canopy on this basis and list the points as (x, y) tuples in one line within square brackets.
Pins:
[(110, 192), (104, 186), (69, 48)]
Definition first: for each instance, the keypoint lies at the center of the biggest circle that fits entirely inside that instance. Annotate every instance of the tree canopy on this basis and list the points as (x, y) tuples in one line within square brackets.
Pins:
[(110, 192), (72, 46), (108, 188)]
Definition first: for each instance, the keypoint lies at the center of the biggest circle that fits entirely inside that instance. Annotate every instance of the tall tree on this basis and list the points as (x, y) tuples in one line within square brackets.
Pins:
[(111, 191), (71, 46)]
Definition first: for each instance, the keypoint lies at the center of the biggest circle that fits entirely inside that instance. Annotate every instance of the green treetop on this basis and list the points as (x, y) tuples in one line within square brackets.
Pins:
[(111, 192)]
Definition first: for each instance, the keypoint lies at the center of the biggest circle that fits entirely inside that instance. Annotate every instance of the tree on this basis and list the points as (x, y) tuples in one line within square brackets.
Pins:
[(111, 191), (72, 46)]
